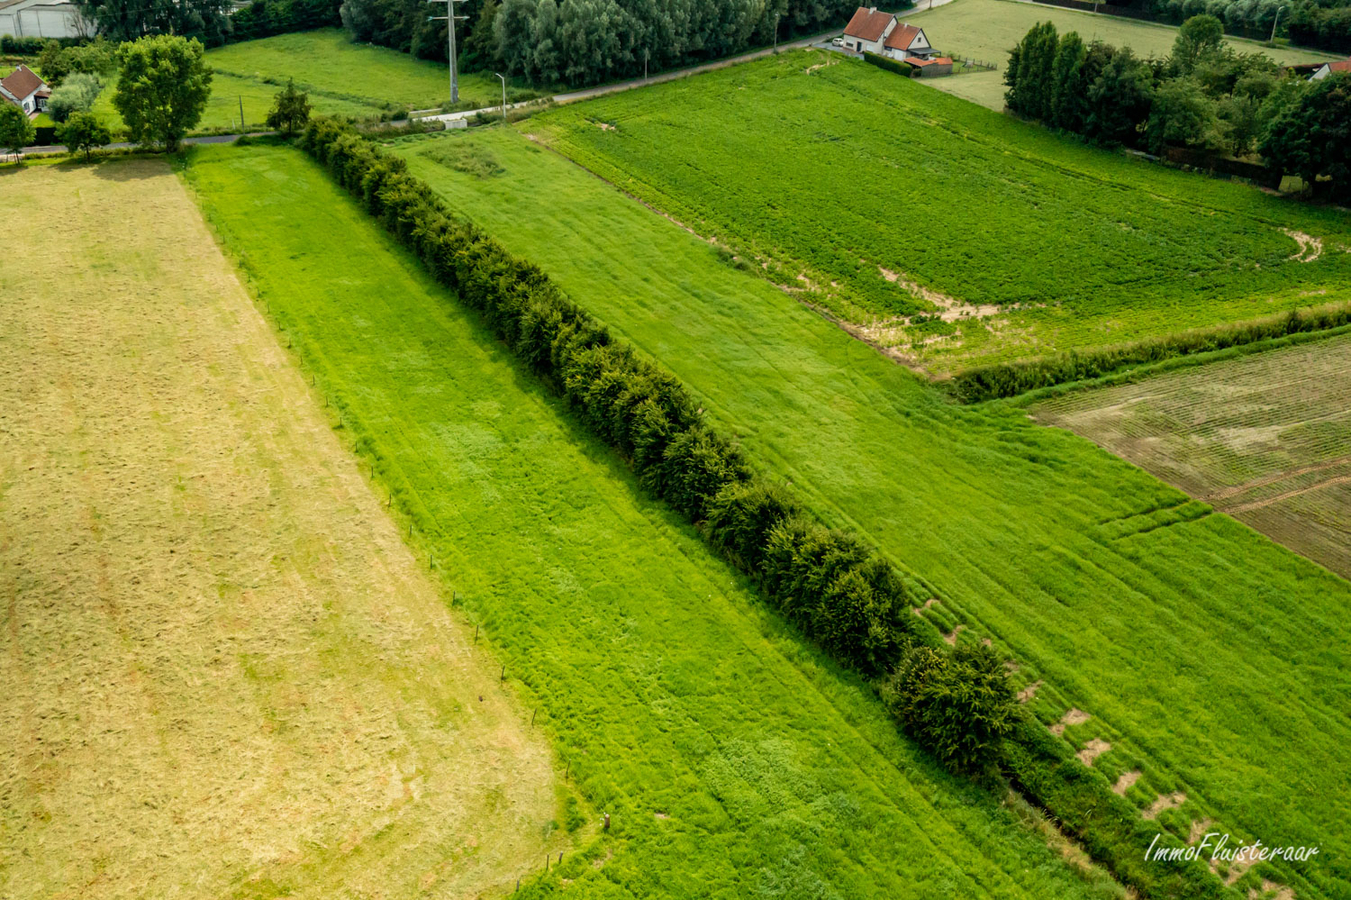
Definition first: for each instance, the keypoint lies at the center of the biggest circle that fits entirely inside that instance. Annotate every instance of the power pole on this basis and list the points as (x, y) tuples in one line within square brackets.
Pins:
[(241, 109), (1274, 22), (449, 18), (503, 79)]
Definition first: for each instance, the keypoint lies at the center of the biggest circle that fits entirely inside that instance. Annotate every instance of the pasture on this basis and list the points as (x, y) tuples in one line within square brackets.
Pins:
[(223, 672), (1122, 597), (1261, 437), (988, 30), (734, 760), (945, 233)]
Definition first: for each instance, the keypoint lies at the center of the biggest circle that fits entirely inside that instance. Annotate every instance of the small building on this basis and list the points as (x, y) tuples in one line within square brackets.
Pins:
[(1326, 69), (867, 30), (42, 19), (26, 90), (907, 42), (930, 68), (871, 31)]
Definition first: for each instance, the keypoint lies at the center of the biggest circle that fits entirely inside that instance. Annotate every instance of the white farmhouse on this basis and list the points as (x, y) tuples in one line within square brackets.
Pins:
[(26, 90), (42, 19), (871, 31)]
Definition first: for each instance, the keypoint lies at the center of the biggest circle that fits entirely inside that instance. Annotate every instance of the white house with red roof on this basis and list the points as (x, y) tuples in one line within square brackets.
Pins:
[(26, 90), (1326, 69), (872, 31)]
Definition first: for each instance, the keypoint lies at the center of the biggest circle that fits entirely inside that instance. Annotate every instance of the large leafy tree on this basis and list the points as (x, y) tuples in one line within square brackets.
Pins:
[(163, 88), (1311, 135), (16, 131), (1198, 37), (1182, 115)]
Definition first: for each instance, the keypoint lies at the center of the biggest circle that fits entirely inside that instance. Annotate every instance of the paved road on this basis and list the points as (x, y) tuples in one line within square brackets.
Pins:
[(124, 145)]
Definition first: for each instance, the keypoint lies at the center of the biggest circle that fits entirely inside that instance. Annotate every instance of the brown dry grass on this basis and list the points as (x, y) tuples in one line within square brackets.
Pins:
[(222, 673)]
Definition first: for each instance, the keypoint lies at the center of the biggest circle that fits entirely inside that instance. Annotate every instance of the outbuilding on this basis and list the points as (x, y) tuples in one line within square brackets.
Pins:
[(1326, 69), (42, 19)]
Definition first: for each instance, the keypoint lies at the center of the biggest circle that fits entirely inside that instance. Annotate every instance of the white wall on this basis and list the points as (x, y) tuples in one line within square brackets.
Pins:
[(40, 18)]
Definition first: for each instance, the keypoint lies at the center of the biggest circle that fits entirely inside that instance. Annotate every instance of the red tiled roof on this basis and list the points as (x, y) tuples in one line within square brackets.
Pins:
[(22, 82), (944, 60), (868, 24), (1342, 65), (917, 62), (902, 37)]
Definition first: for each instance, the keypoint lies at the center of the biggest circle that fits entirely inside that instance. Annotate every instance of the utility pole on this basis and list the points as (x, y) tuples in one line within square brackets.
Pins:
[(449, 18), (1274, 21), (776, 31), (504, 96), (241, 109)]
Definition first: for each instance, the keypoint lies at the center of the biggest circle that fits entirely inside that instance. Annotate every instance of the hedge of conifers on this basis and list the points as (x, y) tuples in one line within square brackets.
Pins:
[(839, 591)]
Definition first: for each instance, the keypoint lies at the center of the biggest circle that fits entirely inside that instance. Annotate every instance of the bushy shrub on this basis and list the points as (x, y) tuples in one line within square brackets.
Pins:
[(960, 706), (76, 94)]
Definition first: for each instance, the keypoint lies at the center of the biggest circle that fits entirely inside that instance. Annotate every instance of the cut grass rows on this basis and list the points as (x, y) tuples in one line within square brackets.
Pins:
[(223, 673), (733, 759), (1013, 524)]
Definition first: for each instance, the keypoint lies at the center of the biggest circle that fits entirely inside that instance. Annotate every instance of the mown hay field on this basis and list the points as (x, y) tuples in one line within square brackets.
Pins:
[(1266, 438), (222, 673), (1114, 592), (868, 195), (734, 760), (988, 29)]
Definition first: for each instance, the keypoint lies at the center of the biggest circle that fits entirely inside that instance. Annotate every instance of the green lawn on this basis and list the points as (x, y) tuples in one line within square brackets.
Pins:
[(735, 761), (988, 29), (847, 181), (1208, 656), (328, 64)]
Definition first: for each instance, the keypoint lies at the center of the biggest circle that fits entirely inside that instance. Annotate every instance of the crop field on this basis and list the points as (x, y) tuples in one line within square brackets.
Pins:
[(1266, 438), (988, 30), (733, 760), (1151, 613), (879, 200), (223, 672)]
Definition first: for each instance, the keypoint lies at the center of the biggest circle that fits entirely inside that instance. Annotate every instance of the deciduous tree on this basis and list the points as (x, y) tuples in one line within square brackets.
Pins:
[(290, 110), (163, 88), (83, 132)]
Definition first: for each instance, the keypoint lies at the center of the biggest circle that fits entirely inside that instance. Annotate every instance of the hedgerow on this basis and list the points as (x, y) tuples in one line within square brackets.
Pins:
[(833, 586), (1010, 379), (839, 593)]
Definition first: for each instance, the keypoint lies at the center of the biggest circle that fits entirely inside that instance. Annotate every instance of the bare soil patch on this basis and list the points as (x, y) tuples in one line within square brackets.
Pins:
[(223, 670), (1163, 803), (1092, 750)]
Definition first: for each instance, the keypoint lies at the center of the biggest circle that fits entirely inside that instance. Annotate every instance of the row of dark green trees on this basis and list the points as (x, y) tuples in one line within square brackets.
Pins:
[(1311, 23), (1204, 96), (837, 590)]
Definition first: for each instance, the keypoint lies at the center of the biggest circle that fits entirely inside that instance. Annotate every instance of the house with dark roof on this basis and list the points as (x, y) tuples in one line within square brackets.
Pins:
[(871, 31), (26, 90), (1326, 69)]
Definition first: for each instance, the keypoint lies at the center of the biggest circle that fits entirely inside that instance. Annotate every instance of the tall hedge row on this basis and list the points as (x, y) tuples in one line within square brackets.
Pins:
[(833, 586), (826, 581), (1011, 379)]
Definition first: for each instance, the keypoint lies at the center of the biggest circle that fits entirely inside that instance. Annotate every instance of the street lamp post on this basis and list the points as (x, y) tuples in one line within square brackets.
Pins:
[(1274, 22), (504, 97)]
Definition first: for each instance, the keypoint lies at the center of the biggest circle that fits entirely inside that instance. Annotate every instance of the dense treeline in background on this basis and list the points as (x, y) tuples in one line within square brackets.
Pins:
[(545, 41), (1203, 96), (1313, 23)]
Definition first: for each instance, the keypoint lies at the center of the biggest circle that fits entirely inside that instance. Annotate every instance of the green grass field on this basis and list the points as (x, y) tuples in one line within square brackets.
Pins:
[(876, 198), (342, 78), (734, 760), (988, 29), (328, 64), (1262, 437), (1203, 652)]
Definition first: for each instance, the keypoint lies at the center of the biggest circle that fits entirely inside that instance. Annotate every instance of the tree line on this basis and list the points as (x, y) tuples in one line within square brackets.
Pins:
[(588, 41), (1204, 96), (1312, 23)]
